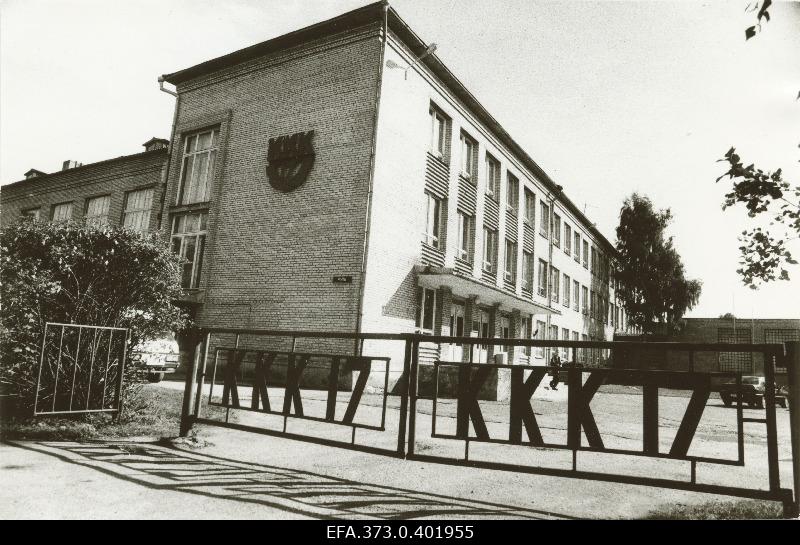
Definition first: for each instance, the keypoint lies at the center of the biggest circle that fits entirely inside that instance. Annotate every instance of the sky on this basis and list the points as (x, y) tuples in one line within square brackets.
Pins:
[(608, 97)]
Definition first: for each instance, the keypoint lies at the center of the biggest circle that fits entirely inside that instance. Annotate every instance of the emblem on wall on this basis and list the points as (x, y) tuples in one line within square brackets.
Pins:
[(290, 160)]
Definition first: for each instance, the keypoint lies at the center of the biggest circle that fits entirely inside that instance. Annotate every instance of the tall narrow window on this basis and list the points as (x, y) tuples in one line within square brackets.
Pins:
[(567, 288), (468, 148), (556, 230), (585, 254), (564, 349), (539, 335), (492, 177), (530, 208), (527, 271), (576, 295), (576, 254), (197, 169), (433, 221), (489, 250), (511, 261), (512, 194), (438, 132), (556, 284), (543, 272), (585, 300), (505, 331), (593, 305), (137, 209), (97, 210), (465, 230), (525, 329), (544, 220), (188, 241), (62, 212), (594, 261), (427, 310), (567, 239)]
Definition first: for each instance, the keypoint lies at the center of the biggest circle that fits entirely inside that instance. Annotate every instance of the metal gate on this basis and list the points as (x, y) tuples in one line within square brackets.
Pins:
[(81, 369), (435, 406)]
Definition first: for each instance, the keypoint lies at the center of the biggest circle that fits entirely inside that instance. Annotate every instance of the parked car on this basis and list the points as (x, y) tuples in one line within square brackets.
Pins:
[(752, 392), (157, 357)]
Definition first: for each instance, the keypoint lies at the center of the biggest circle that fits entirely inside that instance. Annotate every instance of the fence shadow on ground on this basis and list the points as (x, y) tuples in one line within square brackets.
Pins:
[(300, 492)]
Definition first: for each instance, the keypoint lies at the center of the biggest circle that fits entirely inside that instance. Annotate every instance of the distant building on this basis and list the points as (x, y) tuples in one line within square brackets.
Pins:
[(720, 330), (121, 191)]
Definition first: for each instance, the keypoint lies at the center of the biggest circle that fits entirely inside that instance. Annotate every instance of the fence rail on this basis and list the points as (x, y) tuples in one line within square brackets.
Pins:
[(415, 416)]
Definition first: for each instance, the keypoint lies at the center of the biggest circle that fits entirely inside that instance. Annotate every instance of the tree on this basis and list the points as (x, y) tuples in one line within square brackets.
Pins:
[(72, 273), (653, 287), (764, 255), (762, 14), (727, 316)]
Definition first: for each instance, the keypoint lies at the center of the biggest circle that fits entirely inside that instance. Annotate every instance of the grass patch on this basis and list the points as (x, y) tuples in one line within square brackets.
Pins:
[(148, 410), (732, 510)]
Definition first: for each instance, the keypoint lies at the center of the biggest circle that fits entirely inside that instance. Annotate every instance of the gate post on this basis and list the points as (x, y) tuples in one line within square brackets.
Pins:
[(793, 374), (188, 341)]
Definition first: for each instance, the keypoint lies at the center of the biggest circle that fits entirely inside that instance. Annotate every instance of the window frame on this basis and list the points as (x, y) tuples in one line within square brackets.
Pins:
[(555, 284), (126, 212), (93, 220), (489, 257), (438, 118), (586, 254), (567, 239), (543, 274), (544, 220), (215, 132), (433, 239), (567, 286), (200, 237), (528, 266), (421, 311), (493, 177), (467, 165), (530, 208), (465, 237), (556, 230), (512, 193), (511, 249), (70, 207)]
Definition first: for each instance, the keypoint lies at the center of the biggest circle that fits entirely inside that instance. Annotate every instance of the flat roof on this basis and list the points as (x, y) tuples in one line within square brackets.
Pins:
[(372, 13)]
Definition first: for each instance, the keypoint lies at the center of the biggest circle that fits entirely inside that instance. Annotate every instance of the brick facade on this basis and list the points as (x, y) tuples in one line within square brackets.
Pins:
[(114, 177)]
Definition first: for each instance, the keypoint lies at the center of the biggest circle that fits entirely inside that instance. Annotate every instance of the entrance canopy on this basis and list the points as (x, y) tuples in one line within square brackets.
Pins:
[(465, 287)]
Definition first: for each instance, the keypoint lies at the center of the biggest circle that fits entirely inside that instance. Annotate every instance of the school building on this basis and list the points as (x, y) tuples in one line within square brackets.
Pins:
[(341, 178)]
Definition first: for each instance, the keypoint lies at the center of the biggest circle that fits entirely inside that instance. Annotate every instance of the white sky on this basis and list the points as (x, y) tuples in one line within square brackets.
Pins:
[(608, 97)]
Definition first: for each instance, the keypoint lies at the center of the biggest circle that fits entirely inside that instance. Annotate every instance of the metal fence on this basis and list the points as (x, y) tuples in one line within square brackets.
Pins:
[(81, 369), (422, 411)]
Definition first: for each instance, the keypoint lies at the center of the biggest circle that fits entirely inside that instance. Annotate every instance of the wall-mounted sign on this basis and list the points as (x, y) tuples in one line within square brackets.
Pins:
[(342, 279), (290, 160)]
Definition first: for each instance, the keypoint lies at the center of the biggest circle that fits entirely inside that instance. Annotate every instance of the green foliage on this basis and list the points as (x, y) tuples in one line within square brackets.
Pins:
[(764, 256), (72, 273), (653, 286), (762, 14)]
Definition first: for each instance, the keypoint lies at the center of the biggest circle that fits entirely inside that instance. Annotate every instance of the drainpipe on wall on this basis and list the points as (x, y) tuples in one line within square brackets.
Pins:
[(360, 310), (169, 150)]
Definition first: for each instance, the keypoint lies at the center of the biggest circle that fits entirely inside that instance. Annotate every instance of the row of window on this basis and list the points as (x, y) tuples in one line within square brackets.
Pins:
[(426, 321), (135, 214), (573, 243)]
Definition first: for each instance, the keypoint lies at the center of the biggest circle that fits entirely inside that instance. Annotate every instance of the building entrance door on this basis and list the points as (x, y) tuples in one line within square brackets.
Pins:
[(480, 328), (455, 351)]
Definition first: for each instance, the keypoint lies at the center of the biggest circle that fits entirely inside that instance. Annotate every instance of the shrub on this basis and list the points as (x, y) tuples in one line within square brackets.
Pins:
[(78, 274)]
